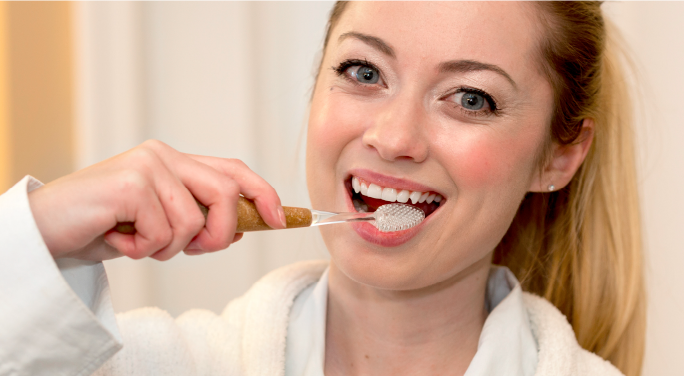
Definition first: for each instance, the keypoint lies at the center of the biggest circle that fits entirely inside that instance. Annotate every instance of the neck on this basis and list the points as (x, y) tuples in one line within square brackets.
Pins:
[(432, 330)]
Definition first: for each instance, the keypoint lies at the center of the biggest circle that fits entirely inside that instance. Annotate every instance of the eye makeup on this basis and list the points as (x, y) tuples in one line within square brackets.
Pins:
[(342, 70), (465, 96)]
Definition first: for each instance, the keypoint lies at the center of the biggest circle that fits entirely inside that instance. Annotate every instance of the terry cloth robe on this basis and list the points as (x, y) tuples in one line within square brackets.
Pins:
[(249, 337)]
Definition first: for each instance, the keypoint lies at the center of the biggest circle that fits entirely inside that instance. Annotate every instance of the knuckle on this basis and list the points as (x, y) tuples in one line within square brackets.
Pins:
[(132, 181), (224, 186), (228, 187), (154, 144), (196, 222), (218, 243), (190, 225), (145, 155), (237, 163), (162, 238)]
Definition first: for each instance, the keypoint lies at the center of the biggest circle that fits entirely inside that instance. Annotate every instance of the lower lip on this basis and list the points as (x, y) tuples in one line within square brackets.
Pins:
[(384, 239)]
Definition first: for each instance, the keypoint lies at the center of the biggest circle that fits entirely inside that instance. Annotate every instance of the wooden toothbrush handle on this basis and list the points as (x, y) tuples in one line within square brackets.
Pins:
[(248, 218)]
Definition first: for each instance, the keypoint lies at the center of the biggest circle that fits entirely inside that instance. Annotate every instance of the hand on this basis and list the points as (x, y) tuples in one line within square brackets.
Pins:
[(154, 186)]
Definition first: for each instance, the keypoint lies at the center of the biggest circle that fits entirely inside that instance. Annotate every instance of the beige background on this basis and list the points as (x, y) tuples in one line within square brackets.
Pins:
[(232, 78), (36, 91)]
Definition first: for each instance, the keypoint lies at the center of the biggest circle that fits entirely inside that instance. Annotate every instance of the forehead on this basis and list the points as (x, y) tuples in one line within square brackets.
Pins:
[(501, 33)]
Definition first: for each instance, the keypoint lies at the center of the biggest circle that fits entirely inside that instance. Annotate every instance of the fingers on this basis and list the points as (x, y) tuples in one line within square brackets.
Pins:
[(197, 252), (183, 215), (164, 208), (215, 190), (219, 193), (165, 213), (252, 186), (142, 205)]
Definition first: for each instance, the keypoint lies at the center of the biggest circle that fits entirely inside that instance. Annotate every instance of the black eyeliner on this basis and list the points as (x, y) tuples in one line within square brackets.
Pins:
[(492, 103), (343, 66)]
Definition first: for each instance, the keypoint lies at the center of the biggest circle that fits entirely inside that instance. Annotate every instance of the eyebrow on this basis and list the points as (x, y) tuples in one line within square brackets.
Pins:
[(372, 41), (452, 66), (464, 66)]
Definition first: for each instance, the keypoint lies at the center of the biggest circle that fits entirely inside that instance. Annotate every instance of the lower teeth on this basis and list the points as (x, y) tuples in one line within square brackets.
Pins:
[(360, 206)]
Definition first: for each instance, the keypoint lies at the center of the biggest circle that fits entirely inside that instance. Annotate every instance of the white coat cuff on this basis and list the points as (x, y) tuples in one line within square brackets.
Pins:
[(46, 327)]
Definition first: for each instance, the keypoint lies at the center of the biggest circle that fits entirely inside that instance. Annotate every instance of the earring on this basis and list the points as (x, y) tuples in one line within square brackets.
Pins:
[(551, 187)]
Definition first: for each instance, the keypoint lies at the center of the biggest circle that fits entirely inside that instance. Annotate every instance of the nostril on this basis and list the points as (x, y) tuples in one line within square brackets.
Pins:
[(395, 144)]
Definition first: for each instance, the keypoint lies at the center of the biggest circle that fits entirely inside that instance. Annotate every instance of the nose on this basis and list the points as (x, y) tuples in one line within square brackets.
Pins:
[(398, 131)]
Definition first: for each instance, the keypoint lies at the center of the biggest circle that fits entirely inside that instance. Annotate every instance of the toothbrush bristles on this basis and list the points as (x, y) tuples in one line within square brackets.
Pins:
[(397, 217)]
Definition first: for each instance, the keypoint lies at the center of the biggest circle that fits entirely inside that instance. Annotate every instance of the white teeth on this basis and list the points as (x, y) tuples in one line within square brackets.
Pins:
[(374, 191), (415, 196), (392, 194), (403, 196), (389, 194)]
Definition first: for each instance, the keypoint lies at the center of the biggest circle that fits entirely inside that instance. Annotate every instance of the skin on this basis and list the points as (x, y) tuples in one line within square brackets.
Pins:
[(154, 186), (417, 308)]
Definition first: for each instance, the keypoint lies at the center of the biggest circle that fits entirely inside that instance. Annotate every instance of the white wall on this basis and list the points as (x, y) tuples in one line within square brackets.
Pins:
[(233, 80), (655, 34), (226, 79)]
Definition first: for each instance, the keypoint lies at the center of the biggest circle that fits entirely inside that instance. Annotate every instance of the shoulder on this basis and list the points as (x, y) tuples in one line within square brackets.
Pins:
[(559, 352)]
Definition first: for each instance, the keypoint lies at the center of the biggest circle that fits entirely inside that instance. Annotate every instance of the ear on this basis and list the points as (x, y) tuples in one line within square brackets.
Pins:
[(565, 161)]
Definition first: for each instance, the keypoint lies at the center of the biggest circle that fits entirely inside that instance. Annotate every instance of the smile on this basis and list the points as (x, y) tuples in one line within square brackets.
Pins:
[(371, 190), (367, 197)]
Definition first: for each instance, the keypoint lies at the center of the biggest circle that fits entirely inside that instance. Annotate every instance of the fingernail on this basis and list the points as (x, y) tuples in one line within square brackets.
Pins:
[(194, 245), (281, 214), (194, 252)]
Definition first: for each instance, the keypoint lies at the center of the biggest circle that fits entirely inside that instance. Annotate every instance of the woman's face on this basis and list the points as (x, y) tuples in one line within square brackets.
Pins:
[(438, 98)]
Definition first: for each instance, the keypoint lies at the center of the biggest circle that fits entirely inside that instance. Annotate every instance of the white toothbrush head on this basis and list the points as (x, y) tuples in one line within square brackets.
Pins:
[(397, 217)]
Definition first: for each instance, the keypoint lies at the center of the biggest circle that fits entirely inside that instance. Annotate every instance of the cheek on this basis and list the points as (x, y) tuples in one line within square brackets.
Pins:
[(333, 126), (485, 158)]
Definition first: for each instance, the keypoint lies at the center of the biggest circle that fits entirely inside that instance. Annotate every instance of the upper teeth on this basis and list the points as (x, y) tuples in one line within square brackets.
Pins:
[(392, 194)]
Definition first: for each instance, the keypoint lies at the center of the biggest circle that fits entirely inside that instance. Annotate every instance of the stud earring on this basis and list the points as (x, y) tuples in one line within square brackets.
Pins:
[(551, 187)]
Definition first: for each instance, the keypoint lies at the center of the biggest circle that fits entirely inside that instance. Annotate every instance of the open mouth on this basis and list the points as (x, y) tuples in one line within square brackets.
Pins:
[(367, 197)]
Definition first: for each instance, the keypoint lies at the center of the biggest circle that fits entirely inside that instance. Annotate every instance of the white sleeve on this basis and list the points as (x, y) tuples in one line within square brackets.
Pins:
[(53, 321)]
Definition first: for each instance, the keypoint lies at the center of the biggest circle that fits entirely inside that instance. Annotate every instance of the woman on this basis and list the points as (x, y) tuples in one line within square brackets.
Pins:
[(504, 122)]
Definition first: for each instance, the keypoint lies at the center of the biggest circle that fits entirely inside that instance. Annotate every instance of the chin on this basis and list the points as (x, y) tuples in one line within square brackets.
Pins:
[(411, 266)]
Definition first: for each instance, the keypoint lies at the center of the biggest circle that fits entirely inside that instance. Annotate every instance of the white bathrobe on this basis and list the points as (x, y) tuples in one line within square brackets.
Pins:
[(48, 328), (250, 335)]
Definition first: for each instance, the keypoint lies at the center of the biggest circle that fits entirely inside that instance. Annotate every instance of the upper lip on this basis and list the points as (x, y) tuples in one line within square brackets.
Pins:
[(387, 181)]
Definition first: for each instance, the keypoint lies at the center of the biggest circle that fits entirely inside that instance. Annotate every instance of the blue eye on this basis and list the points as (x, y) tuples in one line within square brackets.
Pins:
[(472, 101), (366, 75)]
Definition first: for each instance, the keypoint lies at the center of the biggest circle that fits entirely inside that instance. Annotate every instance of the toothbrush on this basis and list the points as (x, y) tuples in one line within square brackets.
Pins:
[(387, 218)]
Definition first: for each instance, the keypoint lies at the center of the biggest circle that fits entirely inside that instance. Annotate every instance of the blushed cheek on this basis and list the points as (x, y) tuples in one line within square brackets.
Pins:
[(492, 163)]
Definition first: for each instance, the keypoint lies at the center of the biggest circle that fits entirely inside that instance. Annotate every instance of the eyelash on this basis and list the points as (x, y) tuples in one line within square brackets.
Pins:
[(343, 66), (493, 109)]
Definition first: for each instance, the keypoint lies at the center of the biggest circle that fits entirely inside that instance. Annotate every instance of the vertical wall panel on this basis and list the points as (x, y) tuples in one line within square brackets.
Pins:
[(655, 37), (110, 112), (5, 126), (40, 81)]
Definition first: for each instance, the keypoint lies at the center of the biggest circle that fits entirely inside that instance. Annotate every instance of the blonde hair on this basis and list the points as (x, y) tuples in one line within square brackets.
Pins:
[(580, 247)]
